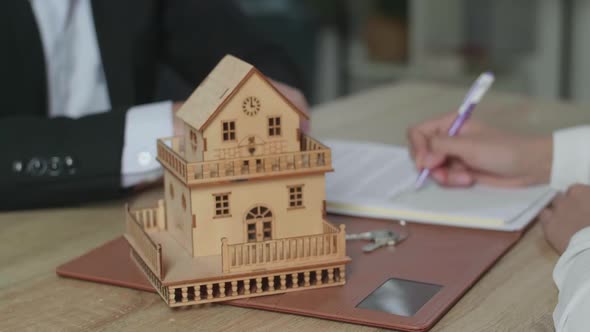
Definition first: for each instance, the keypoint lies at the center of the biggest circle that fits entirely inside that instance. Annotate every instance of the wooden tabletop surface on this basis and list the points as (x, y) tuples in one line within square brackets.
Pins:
[(516, 295)]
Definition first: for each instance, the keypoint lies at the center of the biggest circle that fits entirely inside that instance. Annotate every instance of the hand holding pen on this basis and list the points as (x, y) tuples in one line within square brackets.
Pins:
[(478, 89), (480, 153)]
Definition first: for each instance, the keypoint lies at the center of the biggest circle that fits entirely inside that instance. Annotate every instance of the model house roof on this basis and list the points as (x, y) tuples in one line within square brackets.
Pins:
[(208, 99)]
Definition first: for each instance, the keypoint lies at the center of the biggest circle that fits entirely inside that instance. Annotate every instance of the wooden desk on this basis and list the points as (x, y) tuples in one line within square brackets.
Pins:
[(517, 294)]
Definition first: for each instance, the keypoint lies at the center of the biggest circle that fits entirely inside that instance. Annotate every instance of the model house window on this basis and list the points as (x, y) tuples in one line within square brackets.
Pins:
[(274, 126), (171, 190), (193, 141), (229, 130), (183, 202), (295, 196), (222, 205)]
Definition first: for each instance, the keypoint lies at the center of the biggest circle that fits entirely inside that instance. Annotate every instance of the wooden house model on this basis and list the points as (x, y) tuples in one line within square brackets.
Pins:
[(244, 207)]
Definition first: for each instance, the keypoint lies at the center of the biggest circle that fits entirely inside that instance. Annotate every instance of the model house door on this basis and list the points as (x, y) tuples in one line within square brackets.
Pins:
[(259, 224)]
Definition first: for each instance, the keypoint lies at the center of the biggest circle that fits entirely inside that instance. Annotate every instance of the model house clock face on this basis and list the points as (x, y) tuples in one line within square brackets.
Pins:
[(251, 106)]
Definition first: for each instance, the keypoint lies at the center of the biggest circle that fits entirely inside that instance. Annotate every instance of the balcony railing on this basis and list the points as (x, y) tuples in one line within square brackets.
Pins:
[(169, 157), (148, 250), (151, 218), (313, 157), (274, 253)]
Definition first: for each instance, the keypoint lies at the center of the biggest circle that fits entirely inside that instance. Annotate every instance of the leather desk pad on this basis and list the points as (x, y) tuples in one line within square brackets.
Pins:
[(454, 258)]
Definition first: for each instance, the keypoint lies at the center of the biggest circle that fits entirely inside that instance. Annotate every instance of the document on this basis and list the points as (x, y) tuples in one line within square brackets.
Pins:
[(377, 180)]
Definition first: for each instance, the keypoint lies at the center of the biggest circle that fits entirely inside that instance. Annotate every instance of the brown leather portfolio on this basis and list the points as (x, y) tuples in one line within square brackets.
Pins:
[(408, 287)]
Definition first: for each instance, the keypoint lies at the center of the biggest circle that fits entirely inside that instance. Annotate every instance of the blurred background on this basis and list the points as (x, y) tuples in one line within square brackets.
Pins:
[(535, 47)]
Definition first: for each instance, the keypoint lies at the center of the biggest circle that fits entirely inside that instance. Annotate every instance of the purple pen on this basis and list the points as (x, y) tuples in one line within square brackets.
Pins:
[(478, 89)]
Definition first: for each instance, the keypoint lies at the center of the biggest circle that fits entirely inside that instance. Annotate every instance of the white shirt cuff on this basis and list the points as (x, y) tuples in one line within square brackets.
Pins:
[(571, 157), (572, 277), (144, 125)]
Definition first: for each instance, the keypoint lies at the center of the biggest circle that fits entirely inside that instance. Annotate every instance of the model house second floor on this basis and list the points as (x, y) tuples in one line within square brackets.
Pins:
[(236, 126)]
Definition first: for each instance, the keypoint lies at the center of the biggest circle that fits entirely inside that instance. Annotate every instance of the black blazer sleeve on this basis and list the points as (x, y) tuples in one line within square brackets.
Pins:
[(53, 162)]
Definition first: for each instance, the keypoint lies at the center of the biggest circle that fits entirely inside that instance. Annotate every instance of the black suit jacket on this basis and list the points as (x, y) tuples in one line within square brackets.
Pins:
[(48, 162)]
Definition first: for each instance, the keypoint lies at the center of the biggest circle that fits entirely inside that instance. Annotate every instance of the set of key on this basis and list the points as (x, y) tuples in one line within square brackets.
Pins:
[(379, 238)]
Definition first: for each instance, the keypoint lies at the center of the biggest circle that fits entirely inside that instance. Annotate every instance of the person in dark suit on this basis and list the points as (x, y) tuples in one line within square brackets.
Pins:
[(73, 74)]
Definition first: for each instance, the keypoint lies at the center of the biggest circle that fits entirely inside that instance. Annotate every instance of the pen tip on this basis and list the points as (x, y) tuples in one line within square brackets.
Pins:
[(421, 178)]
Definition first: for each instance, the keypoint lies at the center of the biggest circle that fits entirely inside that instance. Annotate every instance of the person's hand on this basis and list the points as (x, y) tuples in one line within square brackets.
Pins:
[(479, 154), (567, 214), (296, 97)]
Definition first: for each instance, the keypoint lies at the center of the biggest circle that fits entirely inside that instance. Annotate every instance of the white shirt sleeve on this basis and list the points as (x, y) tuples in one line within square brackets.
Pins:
[(571, 157), (572, 277), (143, 126)]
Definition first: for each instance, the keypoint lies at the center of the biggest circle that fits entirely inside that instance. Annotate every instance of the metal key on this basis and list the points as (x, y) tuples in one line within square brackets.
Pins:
[(380, 239), (370, 235)]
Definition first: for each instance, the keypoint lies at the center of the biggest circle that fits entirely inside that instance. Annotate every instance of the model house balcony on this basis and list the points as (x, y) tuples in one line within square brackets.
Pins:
[(282, 252), (313, 157)]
